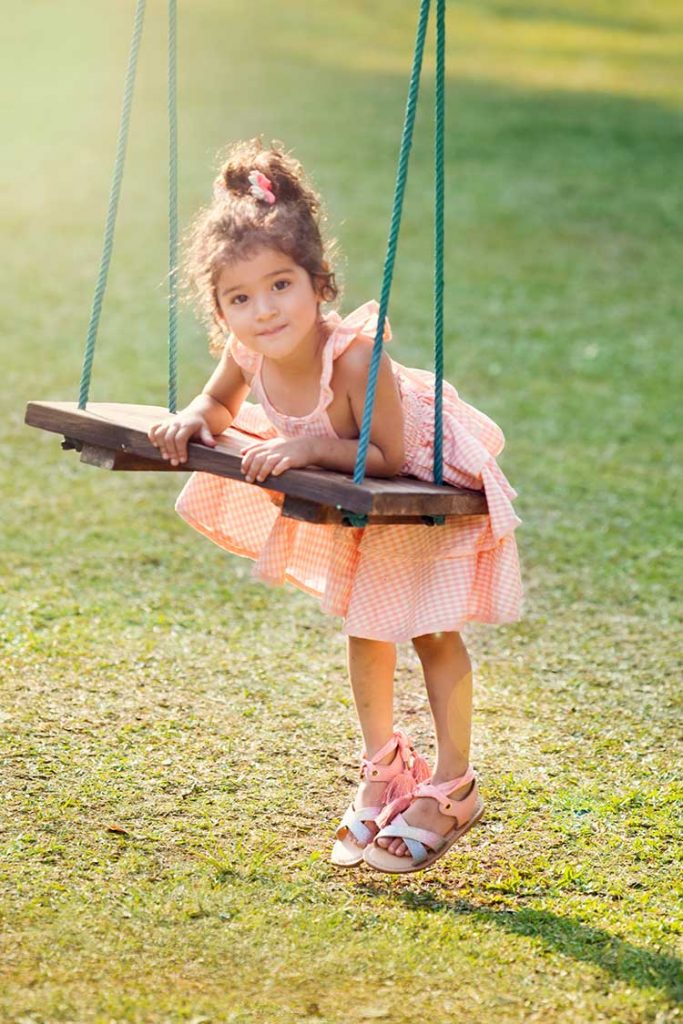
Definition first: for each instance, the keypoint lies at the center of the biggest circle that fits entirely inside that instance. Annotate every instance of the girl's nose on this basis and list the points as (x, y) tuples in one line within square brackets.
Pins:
[(265, 306)]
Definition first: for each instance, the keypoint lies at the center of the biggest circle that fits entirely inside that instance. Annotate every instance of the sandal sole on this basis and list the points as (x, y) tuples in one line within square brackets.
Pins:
[(354, 858)]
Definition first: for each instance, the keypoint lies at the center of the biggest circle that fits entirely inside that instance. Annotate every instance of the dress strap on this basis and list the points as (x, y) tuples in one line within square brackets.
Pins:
[(362, 321)]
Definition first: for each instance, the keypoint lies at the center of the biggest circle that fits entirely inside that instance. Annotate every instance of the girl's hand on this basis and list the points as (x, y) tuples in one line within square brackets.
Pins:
[(172, 434), (273, 457)]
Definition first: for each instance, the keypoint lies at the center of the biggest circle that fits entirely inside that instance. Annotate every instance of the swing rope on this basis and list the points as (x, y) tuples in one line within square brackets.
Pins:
[(439, 118), (172, 206), (112, 210), (406, 145), (390, 258), (114, 197)]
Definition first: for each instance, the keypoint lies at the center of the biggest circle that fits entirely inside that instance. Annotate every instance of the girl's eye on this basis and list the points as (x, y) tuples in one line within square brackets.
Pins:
[(238, 300), (281, 285)]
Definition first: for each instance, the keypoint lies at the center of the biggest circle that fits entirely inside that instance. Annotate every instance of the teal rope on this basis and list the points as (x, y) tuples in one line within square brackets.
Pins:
[(439, 111), (406, 143), (172, 206), (115, 193)]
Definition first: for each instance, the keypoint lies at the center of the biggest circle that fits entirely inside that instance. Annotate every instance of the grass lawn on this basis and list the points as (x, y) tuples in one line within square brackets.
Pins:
[(178, 742)]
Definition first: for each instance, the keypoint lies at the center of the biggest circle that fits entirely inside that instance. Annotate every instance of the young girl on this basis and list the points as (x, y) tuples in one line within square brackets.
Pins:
[(258, 264)]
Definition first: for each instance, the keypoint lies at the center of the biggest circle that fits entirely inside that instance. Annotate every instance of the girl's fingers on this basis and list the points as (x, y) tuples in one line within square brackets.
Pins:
[(156, 435), (261, 460), (171, 437), (253, 471), (255, 466), (281, 466), (246, 463), (251, 458), (157, 430), (171, 446), (250, 453), (181, 439), (267, 466)]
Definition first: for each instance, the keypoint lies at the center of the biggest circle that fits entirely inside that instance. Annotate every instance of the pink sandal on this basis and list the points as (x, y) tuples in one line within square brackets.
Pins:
[(467, 811), (403, 774)]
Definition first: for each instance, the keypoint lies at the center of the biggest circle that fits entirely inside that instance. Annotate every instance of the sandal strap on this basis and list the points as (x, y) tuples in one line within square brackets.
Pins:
[(459, 809), (404, 758), (416, 839), (353, 820)]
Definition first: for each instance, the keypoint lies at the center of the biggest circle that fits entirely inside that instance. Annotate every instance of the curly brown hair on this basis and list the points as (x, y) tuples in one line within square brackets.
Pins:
[(237, 224)]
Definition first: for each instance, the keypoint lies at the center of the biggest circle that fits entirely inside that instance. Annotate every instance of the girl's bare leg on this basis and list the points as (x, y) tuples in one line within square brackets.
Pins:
[(372, 664), (448, 677)]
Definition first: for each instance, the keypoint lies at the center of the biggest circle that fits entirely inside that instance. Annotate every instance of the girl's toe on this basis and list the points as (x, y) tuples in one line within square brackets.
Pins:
[(395, 846)]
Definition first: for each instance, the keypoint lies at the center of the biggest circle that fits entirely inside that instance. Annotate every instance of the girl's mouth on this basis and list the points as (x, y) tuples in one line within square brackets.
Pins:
[(274, 330)]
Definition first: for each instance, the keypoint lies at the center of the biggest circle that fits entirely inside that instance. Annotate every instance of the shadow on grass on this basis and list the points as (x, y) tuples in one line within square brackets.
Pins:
[(569, 937)]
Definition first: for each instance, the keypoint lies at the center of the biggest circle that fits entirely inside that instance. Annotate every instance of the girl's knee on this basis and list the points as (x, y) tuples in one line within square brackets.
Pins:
[(362, 642), (436, 644)]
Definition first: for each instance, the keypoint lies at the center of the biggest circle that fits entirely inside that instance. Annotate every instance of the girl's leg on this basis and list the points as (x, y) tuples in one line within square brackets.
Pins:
[(372, 664), (448, 677)]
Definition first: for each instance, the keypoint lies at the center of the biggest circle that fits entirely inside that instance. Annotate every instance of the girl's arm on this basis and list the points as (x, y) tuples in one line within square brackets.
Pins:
[(209, 413), (222, 395)]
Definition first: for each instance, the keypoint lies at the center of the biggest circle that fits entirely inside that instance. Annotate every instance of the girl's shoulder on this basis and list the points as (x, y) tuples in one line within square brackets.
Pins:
[(354, 343), (352, 366), (352, 337)]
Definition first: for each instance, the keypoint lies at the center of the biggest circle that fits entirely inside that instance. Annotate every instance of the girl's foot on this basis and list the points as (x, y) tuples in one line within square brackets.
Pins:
[(424, 813), (392, 773), (426, 845), (369, 794)]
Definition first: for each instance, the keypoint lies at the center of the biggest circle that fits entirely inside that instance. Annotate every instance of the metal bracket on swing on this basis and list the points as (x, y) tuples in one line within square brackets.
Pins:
[(360, 519), (72, 444)]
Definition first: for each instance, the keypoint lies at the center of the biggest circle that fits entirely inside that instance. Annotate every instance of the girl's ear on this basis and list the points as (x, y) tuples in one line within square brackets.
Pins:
[(219, 319), (319, 283)]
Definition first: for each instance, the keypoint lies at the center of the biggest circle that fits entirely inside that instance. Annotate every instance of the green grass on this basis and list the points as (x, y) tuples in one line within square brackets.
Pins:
[(178, 740)]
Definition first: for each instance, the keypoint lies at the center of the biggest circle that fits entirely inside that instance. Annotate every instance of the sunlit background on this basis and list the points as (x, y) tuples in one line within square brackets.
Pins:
[(563, 322)]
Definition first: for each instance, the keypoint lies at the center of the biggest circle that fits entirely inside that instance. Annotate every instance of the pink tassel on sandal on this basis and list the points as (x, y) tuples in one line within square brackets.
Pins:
[(399, 793), (389, 812), (421, 770), (415, 770)]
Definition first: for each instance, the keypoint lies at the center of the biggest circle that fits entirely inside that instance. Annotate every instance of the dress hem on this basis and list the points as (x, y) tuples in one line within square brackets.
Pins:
[(446, 626)]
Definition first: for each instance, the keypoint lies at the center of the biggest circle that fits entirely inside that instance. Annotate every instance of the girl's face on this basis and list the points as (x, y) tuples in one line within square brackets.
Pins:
[(269, 303)]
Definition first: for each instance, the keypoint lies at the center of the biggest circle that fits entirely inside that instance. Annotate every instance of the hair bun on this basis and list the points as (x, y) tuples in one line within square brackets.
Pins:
[(285, 173)]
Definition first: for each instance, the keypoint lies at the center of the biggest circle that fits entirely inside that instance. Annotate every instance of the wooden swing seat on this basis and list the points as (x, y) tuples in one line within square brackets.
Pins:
[(114, 436)]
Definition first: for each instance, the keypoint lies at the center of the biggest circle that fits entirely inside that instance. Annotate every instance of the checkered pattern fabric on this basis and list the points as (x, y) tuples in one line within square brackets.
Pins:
[(387, 582)]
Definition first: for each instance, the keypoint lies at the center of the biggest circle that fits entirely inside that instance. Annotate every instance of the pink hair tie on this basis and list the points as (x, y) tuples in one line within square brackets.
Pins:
[(261, 187)]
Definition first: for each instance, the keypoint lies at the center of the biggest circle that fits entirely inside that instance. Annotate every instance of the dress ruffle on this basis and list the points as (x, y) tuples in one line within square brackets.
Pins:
[(387, 582)]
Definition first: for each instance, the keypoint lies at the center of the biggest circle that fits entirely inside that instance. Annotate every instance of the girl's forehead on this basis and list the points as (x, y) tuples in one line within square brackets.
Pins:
[(255, 266)]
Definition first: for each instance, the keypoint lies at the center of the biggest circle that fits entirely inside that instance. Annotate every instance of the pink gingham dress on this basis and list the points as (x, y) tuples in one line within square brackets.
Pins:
[(386, 582)]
